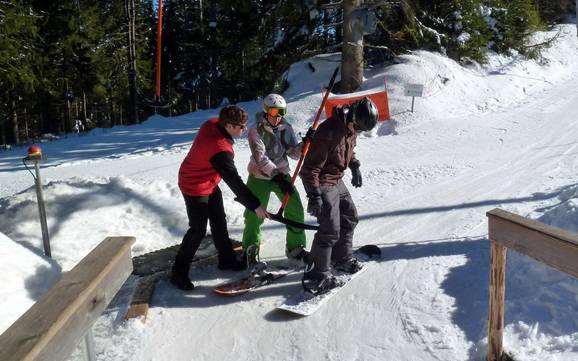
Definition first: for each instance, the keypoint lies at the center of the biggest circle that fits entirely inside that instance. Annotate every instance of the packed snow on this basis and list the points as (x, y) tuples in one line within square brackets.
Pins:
[(499, 135)]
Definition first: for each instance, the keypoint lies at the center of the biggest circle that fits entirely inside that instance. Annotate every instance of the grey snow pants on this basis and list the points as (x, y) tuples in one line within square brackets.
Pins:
[(333, 241)]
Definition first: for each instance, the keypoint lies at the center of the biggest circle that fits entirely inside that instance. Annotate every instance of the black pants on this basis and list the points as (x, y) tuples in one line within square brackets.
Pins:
[(333, 242), (200, 210)]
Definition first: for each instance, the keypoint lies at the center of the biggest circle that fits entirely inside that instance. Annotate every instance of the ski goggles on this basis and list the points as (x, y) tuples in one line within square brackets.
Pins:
[(277, 112)]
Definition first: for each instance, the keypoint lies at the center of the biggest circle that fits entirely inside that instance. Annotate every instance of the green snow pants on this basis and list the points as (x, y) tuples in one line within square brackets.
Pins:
[(262, 189)]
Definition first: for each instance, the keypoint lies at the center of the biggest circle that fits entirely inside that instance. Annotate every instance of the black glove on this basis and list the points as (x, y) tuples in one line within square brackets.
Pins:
[(283, 183), (315, 204), (309, 135), (356, 180)]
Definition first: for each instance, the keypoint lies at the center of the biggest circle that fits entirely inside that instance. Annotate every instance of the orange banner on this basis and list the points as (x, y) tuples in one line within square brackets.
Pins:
[(379, 98)]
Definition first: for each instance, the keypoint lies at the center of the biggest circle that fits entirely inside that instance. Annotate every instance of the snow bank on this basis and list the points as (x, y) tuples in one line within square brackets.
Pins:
[(82, 212), (25, 275)]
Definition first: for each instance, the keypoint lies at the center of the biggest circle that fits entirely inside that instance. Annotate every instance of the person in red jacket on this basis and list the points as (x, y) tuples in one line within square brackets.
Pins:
[(209, 160)]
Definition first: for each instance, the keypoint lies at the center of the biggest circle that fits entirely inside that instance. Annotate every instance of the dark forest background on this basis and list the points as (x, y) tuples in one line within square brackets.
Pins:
[(69, 62)]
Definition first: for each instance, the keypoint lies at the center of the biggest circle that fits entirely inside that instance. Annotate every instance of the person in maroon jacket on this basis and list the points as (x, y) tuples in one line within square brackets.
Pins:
[(209, 160), (332, 151)]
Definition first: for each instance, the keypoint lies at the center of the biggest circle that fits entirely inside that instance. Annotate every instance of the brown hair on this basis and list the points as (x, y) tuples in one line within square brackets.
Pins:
[(233, 114)]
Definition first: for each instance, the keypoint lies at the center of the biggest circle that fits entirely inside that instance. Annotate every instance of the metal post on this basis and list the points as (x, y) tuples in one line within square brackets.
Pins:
[(42, 210), (89, 353), (412, 102)]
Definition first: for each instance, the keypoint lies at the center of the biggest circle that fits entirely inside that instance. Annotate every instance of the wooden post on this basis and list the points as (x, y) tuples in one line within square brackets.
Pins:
[(497, 295)]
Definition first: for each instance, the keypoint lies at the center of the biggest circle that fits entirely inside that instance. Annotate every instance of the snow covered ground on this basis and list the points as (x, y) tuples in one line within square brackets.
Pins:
[(502, 135)]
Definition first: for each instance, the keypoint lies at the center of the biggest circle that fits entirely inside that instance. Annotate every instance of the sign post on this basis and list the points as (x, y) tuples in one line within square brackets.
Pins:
[(35, 155), (413, 90)]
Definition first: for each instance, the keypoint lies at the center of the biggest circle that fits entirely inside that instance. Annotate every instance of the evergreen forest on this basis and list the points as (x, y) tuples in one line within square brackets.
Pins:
[(91, 63)]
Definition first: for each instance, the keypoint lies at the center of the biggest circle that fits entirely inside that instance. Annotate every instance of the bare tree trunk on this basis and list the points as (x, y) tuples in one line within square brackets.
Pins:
[(14, 116), (100, 121), (213, 37), (84, 106), (132, 87), (111, 113), (26, 132), (352, 49), (3, 131), (68, 125)]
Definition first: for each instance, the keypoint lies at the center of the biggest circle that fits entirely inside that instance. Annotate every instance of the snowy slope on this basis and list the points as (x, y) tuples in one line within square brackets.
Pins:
[(503, 135)]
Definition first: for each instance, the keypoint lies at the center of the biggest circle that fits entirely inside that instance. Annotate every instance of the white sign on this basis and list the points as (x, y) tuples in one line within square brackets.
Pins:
[(413, 90)]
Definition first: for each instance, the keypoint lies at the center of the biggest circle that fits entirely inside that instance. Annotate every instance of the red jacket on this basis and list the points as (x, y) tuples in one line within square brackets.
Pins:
[(197, 177)]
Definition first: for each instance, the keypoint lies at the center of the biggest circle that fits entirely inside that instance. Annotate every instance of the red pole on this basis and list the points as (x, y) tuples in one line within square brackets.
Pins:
[(159, 48)]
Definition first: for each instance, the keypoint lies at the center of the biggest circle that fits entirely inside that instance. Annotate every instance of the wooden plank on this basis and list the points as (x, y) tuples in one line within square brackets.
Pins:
[(139, 306), (552, 231), (53, 326), (497, 296), (550, 245)]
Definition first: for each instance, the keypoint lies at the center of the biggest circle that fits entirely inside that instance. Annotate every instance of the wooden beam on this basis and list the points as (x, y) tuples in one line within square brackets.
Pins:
[(497, 296), (139, 306), (52, 328), (550, 245)]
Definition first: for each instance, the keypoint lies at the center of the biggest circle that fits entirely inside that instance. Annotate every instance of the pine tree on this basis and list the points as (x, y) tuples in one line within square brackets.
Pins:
[(17, 62)]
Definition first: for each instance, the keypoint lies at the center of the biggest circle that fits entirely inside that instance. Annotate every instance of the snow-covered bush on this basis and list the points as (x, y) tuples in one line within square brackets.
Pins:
[(463, 29)]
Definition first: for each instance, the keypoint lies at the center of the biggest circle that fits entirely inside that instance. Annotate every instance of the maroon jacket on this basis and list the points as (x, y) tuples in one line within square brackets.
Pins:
[(330, 153)]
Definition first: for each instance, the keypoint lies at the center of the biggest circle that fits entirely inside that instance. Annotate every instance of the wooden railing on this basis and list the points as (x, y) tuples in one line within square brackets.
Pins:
[(52, 328), (550, 245)]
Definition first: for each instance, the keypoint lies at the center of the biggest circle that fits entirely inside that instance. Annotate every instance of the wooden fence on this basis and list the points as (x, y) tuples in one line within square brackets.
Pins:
[(550, 245), (52, 328)]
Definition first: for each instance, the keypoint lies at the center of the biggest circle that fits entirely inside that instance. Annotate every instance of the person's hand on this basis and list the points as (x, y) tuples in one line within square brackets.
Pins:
[(261, 212), (356, 179), (283, 183), (309, 136), (315, 204)]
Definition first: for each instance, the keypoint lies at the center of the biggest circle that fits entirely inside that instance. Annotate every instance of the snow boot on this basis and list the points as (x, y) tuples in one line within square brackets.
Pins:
[(317, 282), (231, 263), (350, 265), (179, 277), (297, 257), (251, 257)]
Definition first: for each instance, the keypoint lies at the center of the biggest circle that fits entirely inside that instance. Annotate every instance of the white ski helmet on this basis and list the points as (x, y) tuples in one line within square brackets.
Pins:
[(275, 101)]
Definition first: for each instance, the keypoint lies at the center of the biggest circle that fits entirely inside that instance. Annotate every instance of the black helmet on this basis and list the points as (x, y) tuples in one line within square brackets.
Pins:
[(363, 113)]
